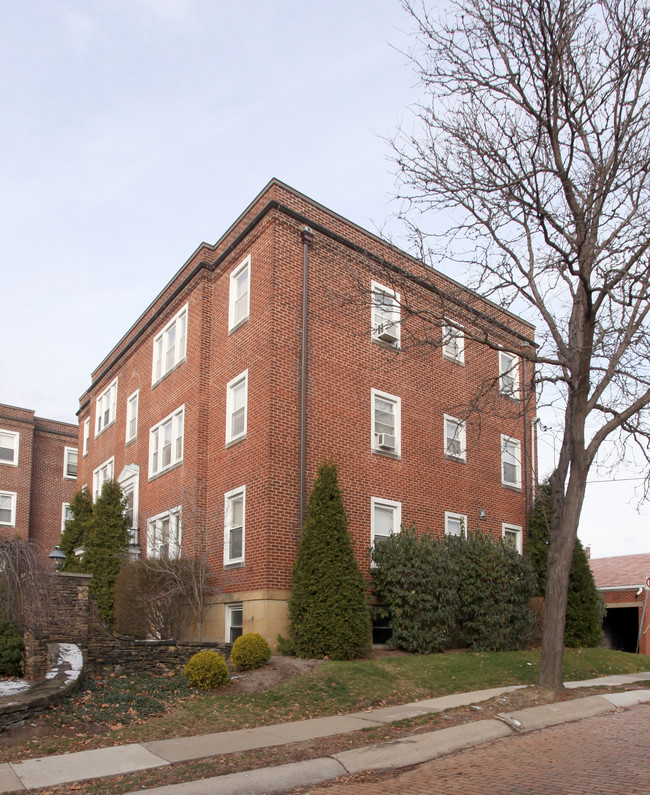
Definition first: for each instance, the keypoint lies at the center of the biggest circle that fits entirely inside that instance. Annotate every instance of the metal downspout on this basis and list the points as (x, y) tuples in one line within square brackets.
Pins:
[(307, 237)]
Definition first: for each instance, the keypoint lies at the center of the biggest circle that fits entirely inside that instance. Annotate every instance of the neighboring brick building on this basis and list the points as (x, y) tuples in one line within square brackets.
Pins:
[(38, 475), (197, 410), (622, 582)]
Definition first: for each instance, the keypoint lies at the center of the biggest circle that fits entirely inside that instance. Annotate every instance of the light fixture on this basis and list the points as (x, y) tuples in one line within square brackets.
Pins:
[(57, 556)]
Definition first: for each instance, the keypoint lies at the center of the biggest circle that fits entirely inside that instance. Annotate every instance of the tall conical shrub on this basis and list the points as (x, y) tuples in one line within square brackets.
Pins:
[(327, 608)]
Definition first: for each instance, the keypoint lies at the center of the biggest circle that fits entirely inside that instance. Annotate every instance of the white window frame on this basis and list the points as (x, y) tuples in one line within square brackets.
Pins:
[(12, 508), (230, 609), (67, 453), (461, 518), (233, 322), (66, 514), (129, 480), (86, 438), (453, 331), (229, 498), (160, 365), (382, 316), (174, 516), (230, 395), (397, 414), (104, 472), (16, 447), (517, 529), (460, 435), (106, 408), (132, 415), (395, 506), (176, 423), (506, 442), (509, 374)]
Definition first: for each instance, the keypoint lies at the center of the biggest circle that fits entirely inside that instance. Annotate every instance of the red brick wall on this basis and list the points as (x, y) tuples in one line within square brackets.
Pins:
[(18, 479), (343, 366)]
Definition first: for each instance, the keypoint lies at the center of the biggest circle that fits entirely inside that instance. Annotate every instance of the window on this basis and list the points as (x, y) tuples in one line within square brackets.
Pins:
[(100, 476), (509, 375), (513, 536), (86, 435), (66, 514), (105, 409), (239, 304), (8, 508), (453, 342), (164, 534), (455, 524), (132, 417), (70, 463), (234, 622), (234, 526), (169, 347), (236, 408), (386, 423), (129, 480), (9, 443), (385, 321), (455, 439), (166, 443), (510, 462), (385, 519)]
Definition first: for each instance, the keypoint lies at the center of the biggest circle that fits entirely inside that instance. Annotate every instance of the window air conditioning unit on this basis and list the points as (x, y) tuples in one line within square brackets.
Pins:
[(387, 332), (386, 441)]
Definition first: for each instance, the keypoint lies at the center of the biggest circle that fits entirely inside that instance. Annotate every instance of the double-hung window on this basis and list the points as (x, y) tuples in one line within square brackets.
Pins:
[(234, 526), (453, 342), (455, 524), (164, 534), (237, 407), (66, 514), (166, 443), (103, 473), (70, 458), (510, 462), (386, 422), (9, 443), (169, 346), (132, 416), (239, 303), (385, 320), (8, 508), (385, 519), (455, 439), (86, 438), (105, 408), (513, 536), (509, 375), (234, 621)]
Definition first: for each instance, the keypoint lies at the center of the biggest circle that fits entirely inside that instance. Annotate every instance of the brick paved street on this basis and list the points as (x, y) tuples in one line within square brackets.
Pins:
[(606, 755)]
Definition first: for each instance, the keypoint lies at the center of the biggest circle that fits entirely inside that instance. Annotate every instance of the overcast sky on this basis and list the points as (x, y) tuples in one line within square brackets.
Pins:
[(133, 130)]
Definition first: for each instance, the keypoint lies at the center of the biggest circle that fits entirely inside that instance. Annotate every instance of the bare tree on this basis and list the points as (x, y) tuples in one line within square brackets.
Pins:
[(25, 584), (534, 130)]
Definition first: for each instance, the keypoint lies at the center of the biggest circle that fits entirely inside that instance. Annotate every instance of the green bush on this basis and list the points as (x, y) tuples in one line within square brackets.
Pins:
[(207, 669), (11, 650), (250, 651), (327, 608), (470, 591)]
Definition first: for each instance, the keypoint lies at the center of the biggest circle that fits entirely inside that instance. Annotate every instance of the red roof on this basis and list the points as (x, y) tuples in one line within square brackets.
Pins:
[(619, 571)]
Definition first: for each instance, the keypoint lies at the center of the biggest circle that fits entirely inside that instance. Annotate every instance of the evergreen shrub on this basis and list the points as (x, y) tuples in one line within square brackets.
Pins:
[(207, 670), (327, 608), (11, 649), (249, 651)]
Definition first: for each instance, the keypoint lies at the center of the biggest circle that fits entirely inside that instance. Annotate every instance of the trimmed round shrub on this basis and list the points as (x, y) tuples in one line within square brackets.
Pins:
[(207, 669), (250, 651)]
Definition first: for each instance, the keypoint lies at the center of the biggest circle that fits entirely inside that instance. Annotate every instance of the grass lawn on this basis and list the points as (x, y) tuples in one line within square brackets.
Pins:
[(125, 709)]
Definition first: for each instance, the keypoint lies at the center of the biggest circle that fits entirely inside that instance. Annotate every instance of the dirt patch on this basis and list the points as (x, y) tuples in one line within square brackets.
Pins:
[(278, 670)]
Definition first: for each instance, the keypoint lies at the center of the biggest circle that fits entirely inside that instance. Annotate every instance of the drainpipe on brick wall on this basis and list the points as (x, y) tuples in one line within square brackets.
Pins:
[(307, 237)]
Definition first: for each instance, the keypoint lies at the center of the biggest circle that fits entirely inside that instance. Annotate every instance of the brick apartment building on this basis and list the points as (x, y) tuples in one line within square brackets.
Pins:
[(38, 475), (208, 416)]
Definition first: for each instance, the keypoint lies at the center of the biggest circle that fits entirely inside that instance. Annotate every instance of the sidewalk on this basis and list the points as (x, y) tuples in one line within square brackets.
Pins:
[(119, 760)]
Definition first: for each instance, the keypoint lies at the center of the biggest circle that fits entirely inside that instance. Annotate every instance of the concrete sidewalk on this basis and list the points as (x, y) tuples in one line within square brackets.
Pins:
[(119, 760)]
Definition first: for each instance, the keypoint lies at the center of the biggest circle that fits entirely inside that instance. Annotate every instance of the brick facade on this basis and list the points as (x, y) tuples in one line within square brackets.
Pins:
[(33, 472), (207, 473)]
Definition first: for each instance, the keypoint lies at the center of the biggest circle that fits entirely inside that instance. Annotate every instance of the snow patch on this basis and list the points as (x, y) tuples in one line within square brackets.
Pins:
[(71, 654), (9, 687)]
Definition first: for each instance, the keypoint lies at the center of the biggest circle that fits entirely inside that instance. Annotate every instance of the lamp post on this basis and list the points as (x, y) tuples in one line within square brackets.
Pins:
[(57, 556)]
